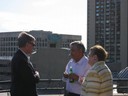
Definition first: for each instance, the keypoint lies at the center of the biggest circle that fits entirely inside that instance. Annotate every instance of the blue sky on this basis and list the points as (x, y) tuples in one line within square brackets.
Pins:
[(58, 16)]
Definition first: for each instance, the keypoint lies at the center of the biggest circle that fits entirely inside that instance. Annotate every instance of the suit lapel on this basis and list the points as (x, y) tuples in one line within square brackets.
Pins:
[(28, 61)]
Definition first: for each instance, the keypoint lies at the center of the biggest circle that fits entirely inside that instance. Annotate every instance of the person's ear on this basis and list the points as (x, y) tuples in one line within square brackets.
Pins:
[(95, 57), (27, 44)]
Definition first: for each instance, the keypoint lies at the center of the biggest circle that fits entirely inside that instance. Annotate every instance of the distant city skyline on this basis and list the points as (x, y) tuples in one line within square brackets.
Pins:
[(58, 16)]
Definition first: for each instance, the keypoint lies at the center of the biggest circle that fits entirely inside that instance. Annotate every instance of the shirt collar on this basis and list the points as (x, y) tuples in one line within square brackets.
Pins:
[(81, 60), (25, 54), (99, 63)]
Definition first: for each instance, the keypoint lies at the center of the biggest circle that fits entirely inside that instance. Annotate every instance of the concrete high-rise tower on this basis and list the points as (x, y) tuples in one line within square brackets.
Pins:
[(108, 26)]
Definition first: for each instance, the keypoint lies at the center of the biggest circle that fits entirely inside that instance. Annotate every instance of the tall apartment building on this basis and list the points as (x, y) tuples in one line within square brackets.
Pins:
[(44, 39), (108, 26)]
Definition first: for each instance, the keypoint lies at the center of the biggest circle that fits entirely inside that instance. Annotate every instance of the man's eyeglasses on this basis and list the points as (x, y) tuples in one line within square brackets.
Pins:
[(33, 44)]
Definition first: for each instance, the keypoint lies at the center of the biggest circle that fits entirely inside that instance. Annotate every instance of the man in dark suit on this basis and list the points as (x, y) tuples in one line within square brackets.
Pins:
[(24, 77)]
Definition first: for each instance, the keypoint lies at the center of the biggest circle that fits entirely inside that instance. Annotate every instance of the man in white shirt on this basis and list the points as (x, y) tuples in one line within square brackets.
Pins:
[(79, 65)]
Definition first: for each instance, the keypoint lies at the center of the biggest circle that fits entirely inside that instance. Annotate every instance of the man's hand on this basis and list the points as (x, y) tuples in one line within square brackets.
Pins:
[(65, 75), (37, 76), (73, 76)]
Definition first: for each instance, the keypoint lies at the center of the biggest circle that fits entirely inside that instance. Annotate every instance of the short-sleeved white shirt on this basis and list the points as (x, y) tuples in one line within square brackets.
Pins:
[(80, 68)]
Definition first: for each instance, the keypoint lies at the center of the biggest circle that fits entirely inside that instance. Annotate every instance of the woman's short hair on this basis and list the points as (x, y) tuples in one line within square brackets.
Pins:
[(101, 53), (24, 38)]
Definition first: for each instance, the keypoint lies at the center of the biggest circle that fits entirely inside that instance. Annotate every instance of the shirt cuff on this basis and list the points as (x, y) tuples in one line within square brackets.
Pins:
[(64, 79)]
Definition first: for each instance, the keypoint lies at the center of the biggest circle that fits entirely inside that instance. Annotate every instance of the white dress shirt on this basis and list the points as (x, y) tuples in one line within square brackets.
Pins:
[(80, 68), (27, 57)]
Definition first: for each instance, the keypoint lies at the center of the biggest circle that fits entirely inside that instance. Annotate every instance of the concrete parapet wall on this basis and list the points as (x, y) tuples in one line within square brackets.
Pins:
[(51, 62)]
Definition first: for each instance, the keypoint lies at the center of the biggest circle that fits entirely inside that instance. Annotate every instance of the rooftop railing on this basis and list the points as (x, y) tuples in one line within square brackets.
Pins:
[(57, 86)]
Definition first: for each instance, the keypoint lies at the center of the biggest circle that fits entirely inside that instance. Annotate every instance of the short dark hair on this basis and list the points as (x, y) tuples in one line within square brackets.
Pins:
[(24, 38), (79, 45), (101, 53)]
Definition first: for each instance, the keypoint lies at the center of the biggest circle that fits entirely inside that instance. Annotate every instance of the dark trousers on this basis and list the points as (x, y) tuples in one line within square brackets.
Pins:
[(72, 94)]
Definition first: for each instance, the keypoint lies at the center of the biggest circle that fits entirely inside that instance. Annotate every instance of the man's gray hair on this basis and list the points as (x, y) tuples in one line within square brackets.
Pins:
[(79, 45), (24, 38)]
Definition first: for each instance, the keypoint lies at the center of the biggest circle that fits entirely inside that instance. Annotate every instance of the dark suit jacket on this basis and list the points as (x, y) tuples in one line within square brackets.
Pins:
[(23, 79)]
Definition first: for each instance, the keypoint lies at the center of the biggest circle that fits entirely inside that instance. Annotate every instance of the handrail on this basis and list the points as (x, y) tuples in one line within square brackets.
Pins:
[(60, 80), (120, 79), (41, 80), (5, 81), (44, 80)]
